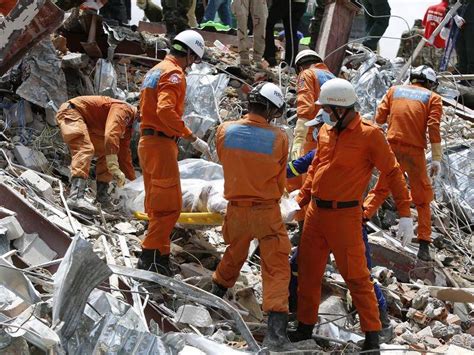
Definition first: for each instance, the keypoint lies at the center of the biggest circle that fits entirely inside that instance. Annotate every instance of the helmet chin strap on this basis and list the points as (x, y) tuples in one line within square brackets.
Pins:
[(340, 119)]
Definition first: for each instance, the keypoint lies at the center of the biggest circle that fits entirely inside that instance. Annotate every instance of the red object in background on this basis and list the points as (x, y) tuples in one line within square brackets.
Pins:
[(433, 17)]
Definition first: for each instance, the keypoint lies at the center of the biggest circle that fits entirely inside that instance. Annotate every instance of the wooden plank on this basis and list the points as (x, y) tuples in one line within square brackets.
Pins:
[(335, 32)]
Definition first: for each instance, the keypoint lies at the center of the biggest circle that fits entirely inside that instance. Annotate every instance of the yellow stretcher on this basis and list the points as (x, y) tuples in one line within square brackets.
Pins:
[(196, 218)]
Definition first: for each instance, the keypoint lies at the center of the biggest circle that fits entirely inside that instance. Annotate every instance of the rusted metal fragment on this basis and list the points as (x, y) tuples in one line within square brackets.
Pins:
[(28, 23)]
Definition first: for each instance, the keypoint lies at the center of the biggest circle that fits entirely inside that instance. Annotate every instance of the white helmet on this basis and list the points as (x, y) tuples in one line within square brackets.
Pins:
[(423, 73), (305, 55), (267, 91), (192, 40), (337, 92)]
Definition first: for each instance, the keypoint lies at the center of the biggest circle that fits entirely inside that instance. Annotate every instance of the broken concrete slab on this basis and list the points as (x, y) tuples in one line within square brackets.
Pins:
[(13, 279), (75, 60), (32, 159), (193, 315), (33, 250), (333, 308), (13, 227), (39, 184)]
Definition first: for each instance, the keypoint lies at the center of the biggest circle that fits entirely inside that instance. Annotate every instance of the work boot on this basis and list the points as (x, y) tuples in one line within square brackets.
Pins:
[(303, 332), (218, 290), (276, 338), (102, 195), (371, 343), (424, 251), (386, 334), (152, 260), (76, 200)]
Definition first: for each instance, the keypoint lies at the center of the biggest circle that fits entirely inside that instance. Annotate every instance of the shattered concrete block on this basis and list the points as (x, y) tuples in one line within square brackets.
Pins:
[(64, 224), (401, 328), (246, 298), (10, 304), (193, 315), (431, 342), (39, 184), (30, 158), (410, 338), (14, 229), (333, 305), (425, 332), (464, 340), (416, 316), (421, 299), (33, 250), (452, 350), (453, 319), (75, 60), (125, 228)]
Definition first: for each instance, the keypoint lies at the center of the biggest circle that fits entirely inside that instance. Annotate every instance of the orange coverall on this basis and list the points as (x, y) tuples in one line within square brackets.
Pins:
[(253, 154), (410, 111), (309, 83), (97, 126), (6, 6), (161, 107), (340, 172)]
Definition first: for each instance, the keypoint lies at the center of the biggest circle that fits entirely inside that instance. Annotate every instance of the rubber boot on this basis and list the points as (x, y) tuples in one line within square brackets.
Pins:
[(386, 334), (371, 343), (303, 332), (152, 260), (276, 338), (218, 290), (102, 196), (76, 200), (424, 251)]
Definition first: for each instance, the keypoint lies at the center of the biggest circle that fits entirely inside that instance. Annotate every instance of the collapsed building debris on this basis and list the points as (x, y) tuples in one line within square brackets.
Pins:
[(68, 282)]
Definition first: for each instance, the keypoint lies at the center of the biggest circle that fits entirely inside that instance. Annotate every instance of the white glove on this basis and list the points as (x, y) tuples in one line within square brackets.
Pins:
[(405, 229), (202, 147), (444, 34), (435, 168), (460, 22)]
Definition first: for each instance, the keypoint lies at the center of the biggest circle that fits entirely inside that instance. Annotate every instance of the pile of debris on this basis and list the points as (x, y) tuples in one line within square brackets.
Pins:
[(68, 282)]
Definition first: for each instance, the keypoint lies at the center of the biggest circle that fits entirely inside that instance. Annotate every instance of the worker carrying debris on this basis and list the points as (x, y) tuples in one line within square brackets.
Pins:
[(97, 126), (336, 181), (245, 147), (410, 111), (161, 106)]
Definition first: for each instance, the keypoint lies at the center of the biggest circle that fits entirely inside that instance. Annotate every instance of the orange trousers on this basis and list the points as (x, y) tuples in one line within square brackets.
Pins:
[(412, 161), (337, 231), (264, 223), (163, 200), (83, 145)]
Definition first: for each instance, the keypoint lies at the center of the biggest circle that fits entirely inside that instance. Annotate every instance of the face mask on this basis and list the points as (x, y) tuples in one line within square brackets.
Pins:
[(327, 119)]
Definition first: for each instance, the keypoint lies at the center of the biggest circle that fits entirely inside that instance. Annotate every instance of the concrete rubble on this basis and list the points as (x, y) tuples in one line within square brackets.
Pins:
[(68, 283)]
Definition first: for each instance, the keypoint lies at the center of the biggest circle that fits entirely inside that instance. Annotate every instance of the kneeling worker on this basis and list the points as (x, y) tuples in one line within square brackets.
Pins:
[(253, 154), (102, 127)]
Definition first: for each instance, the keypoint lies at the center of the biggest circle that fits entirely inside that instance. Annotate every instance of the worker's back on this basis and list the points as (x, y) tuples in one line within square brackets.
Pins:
[(409, 111), (253, 154)]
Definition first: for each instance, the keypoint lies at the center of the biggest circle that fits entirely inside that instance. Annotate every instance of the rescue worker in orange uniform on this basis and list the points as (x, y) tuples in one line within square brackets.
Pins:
[(348, 148), (102, 127), (253, 212), (312, 73), (410, 111), (161, 106)]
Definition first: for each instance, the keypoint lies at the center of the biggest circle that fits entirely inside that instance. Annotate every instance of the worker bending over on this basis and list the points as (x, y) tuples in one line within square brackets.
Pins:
[(348, 148), (410, 111), (102, 127), (245, 147), (162, 105)]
